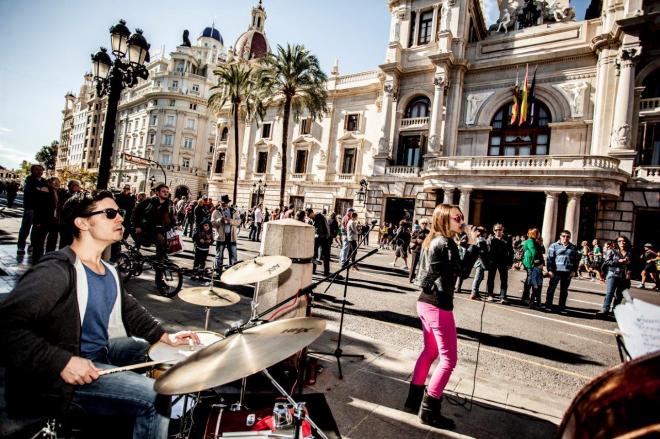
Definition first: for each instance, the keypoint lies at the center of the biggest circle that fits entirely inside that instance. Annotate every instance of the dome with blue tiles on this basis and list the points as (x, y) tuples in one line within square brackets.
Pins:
[(212, 32)]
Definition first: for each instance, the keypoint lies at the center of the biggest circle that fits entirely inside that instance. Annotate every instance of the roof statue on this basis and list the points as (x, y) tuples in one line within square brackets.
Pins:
[(186, 40), (520, 14)]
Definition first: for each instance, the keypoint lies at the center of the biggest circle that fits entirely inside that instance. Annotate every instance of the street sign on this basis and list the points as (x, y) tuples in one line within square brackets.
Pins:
[(137, 160)]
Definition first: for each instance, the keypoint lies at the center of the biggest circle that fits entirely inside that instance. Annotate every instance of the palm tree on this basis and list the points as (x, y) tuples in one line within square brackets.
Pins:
[(236, 85), (295, 80)]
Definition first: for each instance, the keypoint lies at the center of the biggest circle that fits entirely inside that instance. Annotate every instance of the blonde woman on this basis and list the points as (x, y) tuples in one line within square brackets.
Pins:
[(439, 267)]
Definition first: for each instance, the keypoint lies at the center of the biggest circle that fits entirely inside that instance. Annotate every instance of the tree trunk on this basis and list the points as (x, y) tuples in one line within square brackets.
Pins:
[(236, 153), (285, 139)]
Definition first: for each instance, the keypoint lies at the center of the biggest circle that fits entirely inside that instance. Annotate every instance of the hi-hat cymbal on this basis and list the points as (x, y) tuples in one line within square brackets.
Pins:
[(204, 296), (240, 355), (256, 270)]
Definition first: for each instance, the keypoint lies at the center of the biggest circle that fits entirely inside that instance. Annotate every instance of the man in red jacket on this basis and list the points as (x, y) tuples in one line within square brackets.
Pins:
[(69, 317)]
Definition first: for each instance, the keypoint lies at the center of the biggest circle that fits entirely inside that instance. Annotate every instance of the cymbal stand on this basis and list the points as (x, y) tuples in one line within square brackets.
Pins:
[(299, 414), (208, 308)]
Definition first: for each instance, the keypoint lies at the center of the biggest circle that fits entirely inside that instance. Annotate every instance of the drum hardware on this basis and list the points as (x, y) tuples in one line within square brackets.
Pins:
[(209, 298)]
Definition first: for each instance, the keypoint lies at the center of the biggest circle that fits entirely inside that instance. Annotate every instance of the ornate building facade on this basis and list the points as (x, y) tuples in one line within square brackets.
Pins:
[(433, 123)]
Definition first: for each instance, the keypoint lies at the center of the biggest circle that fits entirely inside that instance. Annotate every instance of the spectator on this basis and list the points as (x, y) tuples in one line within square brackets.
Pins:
[(153, 218), (352, 235), (402, 244), (180, 210), (33, 186), (382, 235), (563, 260), (416, 241), (536, 282), (500, 260), (343, 254), (596, 261), (255, 233), (290, 212), (648, 259), (225, 220), (481, 264), (300, 216), (321, 240), (616, 267), (532, 252), (189, 219), (45, 228), (333, 227), (66, 234), (585, 259), (12, 189), (201, 211), (202, 240)]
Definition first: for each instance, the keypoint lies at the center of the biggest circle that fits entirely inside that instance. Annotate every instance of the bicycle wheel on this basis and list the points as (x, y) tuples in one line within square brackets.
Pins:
[(169, 280), (124, 267)]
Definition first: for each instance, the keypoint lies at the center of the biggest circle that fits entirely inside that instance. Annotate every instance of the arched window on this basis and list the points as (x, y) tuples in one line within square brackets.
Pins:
[(530, 138), (418, 107), (224, 134)]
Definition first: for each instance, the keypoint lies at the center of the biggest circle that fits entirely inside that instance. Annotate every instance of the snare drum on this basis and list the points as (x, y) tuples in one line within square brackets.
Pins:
[(173, 354)]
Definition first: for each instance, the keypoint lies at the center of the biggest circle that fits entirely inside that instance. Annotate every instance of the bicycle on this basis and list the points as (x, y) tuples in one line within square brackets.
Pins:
[(131, 263)]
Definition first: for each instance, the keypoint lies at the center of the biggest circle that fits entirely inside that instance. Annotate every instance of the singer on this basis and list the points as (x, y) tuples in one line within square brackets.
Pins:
[(439, 267)]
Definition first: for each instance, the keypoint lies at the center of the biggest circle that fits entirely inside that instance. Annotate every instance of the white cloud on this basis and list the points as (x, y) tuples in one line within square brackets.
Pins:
[(4, 129), (492, 11), (12, 158)]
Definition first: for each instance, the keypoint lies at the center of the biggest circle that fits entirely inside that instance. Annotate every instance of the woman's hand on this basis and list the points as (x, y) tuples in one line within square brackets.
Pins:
[(472, 234)]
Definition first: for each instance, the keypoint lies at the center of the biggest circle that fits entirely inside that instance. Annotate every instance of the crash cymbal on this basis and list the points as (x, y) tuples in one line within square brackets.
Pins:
[(204, 296), (256, 270), (240, 355)]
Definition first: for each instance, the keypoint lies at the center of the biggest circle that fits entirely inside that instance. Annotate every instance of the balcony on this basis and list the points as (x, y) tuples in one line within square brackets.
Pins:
[(402, 171), (345, 178), (647, 173), (298, 176), (540, 163), (414, 123), (649, 106)]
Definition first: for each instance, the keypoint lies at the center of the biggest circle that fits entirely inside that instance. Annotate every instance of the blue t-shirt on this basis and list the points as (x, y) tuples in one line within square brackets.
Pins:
[(100, 301)]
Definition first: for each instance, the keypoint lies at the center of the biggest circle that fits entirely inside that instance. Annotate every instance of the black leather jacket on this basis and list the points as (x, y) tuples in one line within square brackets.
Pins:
[(439, 267)]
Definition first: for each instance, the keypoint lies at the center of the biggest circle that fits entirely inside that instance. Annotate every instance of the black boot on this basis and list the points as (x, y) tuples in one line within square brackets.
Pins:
[(415, 394), (430, 413)]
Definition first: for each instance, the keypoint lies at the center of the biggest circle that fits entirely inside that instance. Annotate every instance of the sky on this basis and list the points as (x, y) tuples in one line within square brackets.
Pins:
[(46, 45)]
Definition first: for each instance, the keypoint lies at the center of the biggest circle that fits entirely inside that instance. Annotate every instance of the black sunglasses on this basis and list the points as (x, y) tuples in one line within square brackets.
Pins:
[(109, 213)]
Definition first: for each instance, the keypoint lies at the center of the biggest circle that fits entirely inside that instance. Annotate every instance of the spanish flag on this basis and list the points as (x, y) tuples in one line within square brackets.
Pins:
[(516, 102), (523, 103)]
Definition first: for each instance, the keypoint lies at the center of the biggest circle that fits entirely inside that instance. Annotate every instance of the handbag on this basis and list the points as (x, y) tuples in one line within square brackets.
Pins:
[(174, 242)]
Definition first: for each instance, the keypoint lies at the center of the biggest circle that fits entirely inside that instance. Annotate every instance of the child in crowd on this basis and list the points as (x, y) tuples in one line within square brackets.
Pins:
[(202, 239)]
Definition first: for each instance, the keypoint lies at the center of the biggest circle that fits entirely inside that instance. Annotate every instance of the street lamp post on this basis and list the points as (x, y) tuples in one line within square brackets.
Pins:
[(131, 53), (362, 193), (259, 188), (152, 181)]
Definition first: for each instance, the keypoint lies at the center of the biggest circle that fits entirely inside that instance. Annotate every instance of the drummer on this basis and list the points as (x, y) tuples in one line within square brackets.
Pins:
[(69, 317)]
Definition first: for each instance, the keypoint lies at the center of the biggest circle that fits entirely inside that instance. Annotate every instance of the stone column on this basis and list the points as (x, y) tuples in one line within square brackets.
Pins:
[(476, 214), (572, 221), (449, 195), (294, 239), (384, 145), (435, 141), (622, 124), (418, 14), (549, 218), (464, 202)]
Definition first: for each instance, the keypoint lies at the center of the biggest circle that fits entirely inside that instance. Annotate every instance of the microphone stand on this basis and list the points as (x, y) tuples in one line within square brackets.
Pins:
[(338, 353)]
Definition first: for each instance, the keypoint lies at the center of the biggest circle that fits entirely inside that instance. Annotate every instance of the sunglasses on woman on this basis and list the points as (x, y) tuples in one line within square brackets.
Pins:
[(109, 213), (458, 218)]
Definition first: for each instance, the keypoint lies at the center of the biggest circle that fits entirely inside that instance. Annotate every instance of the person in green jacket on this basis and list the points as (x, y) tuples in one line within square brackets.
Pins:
[(531, 253)]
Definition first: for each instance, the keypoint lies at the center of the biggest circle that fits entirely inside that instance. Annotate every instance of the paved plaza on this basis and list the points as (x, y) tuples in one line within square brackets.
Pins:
[(530, 364)]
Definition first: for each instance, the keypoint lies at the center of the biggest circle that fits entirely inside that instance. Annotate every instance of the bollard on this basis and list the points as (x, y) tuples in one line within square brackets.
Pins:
[(295, 239)]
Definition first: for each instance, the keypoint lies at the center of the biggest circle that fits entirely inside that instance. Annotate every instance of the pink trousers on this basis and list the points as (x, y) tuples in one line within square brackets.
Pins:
[(440, 340)]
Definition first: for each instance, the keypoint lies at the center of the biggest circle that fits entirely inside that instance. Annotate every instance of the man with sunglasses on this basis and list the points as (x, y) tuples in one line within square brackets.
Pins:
[(500, 255), (562, 262), (68, 318)]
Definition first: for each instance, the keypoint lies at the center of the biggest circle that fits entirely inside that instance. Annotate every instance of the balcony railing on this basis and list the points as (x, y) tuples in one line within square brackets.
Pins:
[(346, 177), (650, 173), (540, 163), (404, 171), (298, 176), (649, 105), (414, 122)]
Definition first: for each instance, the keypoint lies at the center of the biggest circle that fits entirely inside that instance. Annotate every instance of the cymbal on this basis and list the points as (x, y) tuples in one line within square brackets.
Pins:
[(240, 355), (204, 296), (256, 270)]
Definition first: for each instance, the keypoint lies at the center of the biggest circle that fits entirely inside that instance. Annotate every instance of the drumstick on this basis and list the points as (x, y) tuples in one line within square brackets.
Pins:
[(133, 366)]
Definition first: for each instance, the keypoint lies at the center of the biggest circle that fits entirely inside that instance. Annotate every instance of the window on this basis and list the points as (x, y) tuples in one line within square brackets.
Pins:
[(195, 88), (193, 106), (649, 138), (134, 141), (425, 26), (348, 162), (411, 35), (169, 122), (144, 121), (306, 125), (418, 107), (220, 163), (411, 150), (224, 134), (187, 142), (530, 138), (165, 159), (185, 162), (352, 122), (154, 102), (175, 84), (168, 140), (151, 138), (179, 67), (265, 130), (154, 120), (190, 124), (208, 167), (172, 102), (262, 162), (301, 161), (130, 125)]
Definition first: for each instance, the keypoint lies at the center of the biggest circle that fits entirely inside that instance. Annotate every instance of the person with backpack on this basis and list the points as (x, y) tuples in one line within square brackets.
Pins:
[(153, 218), (532, 251), (202, 240), (225, 220), (617, 266)]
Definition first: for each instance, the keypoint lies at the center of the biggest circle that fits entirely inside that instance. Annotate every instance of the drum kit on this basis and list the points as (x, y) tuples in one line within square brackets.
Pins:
[(249, 348)]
